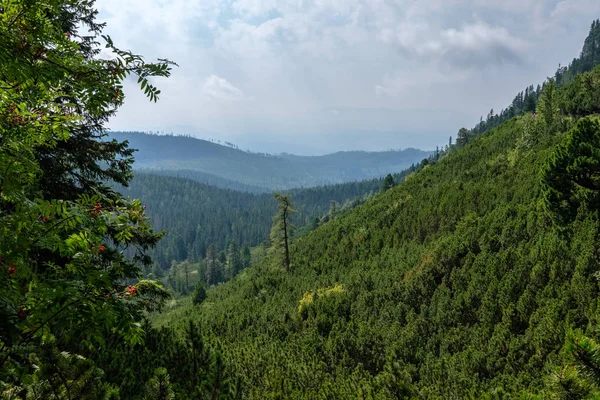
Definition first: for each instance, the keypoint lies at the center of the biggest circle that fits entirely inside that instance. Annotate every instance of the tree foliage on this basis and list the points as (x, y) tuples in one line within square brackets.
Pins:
[(282, 230), (65, 280)]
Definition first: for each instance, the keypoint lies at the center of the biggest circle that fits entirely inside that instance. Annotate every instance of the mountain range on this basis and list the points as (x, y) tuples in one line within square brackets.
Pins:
[(230, 167)]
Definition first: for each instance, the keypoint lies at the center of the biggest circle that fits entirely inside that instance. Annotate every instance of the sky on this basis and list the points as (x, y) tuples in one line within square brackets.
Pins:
[(318, 76)]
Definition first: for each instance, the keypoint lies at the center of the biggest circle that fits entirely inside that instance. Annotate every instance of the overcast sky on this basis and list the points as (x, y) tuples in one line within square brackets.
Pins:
[(316, 76)]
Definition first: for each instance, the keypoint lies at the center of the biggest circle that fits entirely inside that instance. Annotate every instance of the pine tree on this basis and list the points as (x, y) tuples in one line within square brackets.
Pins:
[(159, 386), (547, 106), (246, 256), (212, 266), (282, 229), (332, 209), (462, 138), (216, 384), (388, 183), (234, 260), (571, 176), (199, 293)]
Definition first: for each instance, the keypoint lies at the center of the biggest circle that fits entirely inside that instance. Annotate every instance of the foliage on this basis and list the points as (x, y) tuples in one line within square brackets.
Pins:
[(195, 215), (199, 293), (282, 230), (65, 281), (572, 174), (388, 183), (159, 386), (457, 283), (526, 101)]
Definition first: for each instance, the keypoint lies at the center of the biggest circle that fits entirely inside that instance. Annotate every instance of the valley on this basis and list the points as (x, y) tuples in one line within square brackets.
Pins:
[(159, 267)]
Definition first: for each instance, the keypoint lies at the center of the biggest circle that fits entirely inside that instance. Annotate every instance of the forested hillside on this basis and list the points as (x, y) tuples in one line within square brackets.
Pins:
[(204, 161), (526, 101), (462, 282), (196, 215), (475, 277)]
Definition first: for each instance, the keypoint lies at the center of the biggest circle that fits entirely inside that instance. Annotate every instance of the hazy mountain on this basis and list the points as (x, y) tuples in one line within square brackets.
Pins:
[(167, 153)]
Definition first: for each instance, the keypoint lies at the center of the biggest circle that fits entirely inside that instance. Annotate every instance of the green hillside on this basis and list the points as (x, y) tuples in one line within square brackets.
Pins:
[(476, 277), (206, 161), (456, 283), (196, 215)]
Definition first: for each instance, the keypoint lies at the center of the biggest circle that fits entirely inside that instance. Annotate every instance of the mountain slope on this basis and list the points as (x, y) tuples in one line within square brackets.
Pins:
[(456, 280), (461, 283), (166, 154), (196, 215)]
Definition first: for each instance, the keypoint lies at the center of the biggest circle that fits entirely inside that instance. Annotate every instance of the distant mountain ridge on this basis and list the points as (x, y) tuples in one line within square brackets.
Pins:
[(227, 166)]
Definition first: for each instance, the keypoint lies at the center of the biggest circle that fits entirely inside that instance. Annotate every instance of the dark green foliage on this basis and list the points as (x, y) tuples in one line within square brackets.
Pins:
[(282, 230), (246, 257), (65, 282), (234, 263), (454, 284), (199, 293), (572, 174), (196, 215), (582, 96), (462, 138), (159, 386), (388, 183)]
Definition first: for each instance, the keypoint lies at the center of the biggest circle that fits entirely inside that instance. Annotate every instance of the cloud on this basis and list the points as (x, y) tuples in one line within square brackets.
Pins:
[(220, 89), (266, 63), (473, 45)]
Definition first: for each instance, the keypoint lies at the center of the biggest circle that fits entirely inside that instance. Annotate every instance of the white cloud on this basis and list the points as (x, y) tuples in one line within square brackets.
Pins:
[(290, 56), (473, 45), (220, 89)]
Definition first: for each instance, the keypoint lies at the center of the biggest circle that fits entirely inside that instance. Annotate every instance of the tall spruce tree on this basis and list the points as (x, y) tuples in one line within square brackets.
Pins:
[(246, 256), (462, 138), (234, 260), (388, 183), (547, 106), (282, 230), (213, 273)]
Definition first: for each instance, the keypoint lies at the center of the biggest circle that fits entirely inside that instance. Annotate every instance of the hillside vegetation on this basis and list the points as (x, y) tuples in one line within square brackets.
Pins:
[(195, 216), (476, 277), (206, 161), (461, 282)]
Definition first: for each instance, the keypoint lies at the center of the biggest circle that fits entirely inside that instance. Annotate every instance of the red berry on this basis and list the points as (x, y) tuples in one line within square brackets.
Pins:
[(101, 249)]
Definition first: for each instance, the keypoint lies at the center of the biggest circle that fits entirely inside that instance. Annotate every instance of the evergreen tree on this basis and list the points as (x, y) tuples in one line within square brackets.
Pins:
[(388, 183), (332, 209), (571, 176), (282, 229), (547, 106), (234, 260), (159, 387), (246, 256), (212, 266), (199, 293), (216, 385), (462, 138)]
